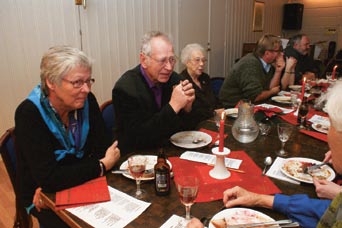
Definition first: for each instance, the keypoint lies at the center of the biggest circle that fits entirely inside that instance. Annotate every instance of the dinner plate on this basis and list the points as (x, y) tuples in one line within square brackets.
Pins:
[(151, 161), (185, 139), (295, 87), (320, 128), (236, 216), (232, 112), (282, 99), (294, 167)]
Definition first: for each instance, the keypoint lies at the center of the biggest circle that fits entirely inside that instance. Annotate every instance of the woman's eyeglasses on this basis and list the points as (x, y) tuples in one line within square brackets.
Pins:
[(79, 83)]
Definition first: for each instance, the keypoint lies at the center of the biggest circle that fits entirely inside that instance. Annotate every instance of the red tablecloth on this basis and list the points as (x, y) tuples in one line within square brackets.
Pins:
[(316, 135), (212, 189)]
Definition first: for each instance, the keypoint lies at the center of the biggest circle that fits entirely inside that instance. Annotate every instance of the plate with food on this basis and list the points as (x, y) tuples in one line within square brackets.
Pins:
[(282, 99), (320, 127), (237, 216), (149, 169), (190, 139), (295, 87), (295, 167), (231, 112)]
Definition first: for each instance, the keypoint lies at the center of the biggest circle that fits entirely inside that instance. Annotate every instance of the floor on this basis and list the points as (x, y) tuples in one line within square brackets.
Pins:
[(7, 205)]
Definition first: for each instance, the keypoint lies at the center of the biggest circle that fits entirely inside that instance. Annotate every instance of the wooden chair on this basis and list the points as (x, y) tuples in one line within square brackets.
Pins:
[(107, 109), (9, 156), (247, 48)]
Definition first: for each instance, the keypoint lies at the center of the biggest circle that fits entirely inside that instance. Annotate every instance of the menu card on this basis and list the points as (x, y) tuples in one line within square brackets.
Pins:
[(118, 212), (317, 119), (210, 159), (92, 191), (276, 173), (175, 221)]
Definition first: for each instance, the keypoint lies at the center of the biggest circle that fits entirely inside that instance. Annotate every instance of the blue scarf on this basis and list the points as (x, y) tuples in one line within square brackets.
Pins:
[(73, 141)]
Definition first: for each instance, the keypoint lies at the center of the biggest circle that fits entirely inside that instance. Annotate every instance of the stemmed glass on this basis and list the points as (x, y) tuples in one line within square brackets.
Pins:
[(284, 133), (302, 112), (187, 187), (136, 166)]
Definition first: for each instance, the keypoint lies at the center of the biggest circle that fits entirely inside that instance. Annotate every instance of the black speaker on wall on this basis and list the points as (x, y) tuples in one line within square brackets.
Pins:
[(293, 16)]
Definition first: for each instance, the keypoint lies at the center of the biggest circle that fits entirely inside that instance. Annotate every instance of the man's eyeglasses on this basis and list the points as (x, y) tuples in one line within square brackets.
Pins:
[(80, 83), (198, 60), (162, 62)]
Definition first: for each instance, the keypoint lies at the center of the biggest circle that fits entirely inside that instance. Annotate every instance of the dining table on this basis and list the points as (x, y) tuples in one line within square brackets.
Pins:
[(163, 207)]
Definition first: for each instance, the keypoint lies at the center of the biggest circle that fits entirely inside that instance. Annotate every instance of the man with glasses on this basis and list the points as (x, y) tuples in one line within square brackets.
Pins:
[(298, 48), (256, 76), (150, 101)]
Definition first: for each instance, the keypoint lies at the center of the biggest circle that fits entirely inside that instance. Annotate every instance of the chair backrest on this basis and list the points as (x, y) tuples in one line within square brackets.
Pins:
[(9, 156), (216, 84), (107, 109)]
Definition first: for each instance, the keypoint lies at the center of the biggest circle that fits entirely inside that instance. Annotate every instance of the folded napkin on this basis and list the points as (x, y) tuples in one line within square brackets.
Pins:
[(211, 189), (93, 191), (292, 117), (268, 111), (214, 135), (316, 135)]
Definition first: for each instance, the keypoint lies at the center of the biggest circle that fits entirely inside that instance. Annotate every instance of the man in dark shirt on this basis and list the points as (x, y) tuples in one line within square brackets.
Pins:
[(298, 48), (150, 101)]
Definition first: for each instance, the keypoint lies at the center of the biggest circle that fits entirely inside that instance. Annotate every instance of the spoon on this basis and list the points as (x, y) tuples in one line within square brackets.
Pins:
[(267, 162), (197, 140)]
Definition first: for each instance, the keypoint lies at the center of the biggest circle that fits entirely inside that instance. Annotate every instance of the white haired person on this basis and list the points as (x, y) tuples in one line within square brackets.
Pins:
[(307, 211), (205, 104), (60, 132)]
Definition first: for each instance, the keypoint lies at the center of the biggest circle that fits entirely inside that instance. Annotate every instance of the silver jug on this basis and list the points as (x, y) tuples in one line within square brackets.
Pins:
[(245, 128)]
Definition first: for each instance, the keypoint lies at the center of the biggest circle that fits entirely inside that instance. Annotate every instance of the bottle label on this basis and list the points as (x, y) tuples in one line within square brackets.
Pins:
[(162, 182)]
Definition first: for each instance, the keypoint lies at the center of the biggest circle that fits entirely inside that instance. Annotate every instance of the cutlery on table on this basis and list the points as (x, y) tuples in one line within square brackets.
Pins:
[(281, 223), (267, 162), (126, 171), (311, 168)]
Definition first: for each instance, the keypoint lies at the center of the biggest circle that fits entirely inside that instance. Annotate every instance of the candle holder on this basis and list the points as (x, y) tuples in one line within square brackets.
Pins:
[(220, 171)]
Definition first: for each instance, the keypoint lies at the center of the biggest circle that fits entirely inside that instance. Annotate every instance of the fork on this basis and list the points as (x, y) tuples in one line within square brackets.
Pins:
[(309, 169)]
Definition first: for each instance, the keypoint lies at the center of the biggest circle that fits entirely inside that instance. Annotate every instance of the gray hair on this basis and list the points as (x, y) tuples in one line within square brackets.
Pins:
[(295, 39), (267, 42), (58, 61), (188, 50), (334, 105), (146, 47)]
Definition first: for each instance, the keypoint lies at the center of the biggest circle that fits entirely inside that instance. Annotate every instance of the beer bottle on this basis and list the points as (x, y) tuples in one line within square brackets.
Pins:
[(162, 175)]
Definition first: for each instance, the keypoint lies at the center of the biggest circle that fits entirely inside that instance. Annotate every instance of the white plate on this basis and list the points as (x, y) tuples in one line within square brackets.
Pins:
[(295, 87), (320, 127), (282, 99), (151, 161), (236, 216), (292, 167), (185, 139), (232, 112)]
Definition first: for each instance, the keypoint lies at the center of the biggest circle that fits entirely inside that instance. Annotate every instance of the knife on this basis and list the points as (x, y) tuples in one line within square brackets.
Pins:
[(279, 222)]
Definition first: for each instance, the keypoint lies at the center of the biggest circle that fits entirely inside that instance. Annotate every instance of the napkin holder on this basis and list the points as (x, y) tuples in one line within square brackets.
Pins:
[(220, 171)]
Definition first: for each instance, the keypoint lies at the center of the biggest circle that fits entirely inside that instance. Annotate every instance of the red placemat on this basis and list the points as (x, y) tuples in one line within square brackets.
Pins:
[(214, 135), (212, 189), (93, 191), (316, 135)]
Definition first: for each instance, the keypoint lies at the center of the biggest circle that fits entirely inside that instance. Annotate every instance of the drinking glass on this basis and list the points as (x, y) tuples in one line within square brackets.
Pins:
[(302, 113), (187, 187), (294, 99), (136, 166), (284, 133)]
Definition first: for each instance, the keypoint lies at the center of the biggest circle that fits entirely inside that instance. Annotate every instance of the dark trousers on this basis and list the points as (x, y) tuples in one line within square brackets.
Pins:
[(48, 219)]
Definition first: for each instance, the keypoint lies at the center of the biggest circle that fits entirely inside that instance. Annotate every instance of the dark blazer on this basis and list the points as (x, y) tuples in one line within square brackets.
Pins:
[(139, 123)]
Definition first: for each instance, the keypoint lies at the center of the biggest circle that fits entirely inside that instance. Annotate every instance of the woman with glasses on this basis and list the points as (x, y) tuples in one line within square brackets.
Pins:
[(205, 104), (60, 134)]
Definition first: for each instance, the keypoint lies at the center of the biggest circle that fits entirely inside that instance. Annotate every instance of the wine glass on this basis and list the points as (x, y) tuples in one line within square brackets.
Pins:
[(136, 166), (284, 133), (187, 187), (302, 113)]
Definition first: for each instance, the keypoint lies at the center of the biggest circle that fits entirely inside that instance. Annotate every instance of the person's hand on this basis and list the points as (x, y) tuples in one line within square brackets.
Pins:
[(112, 156), (275, 90), (37, 200), (326, 189), (189, 91), (327, 157), (182, 96), (290, 64), (194, 223), (238, 196), (279, 63)]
